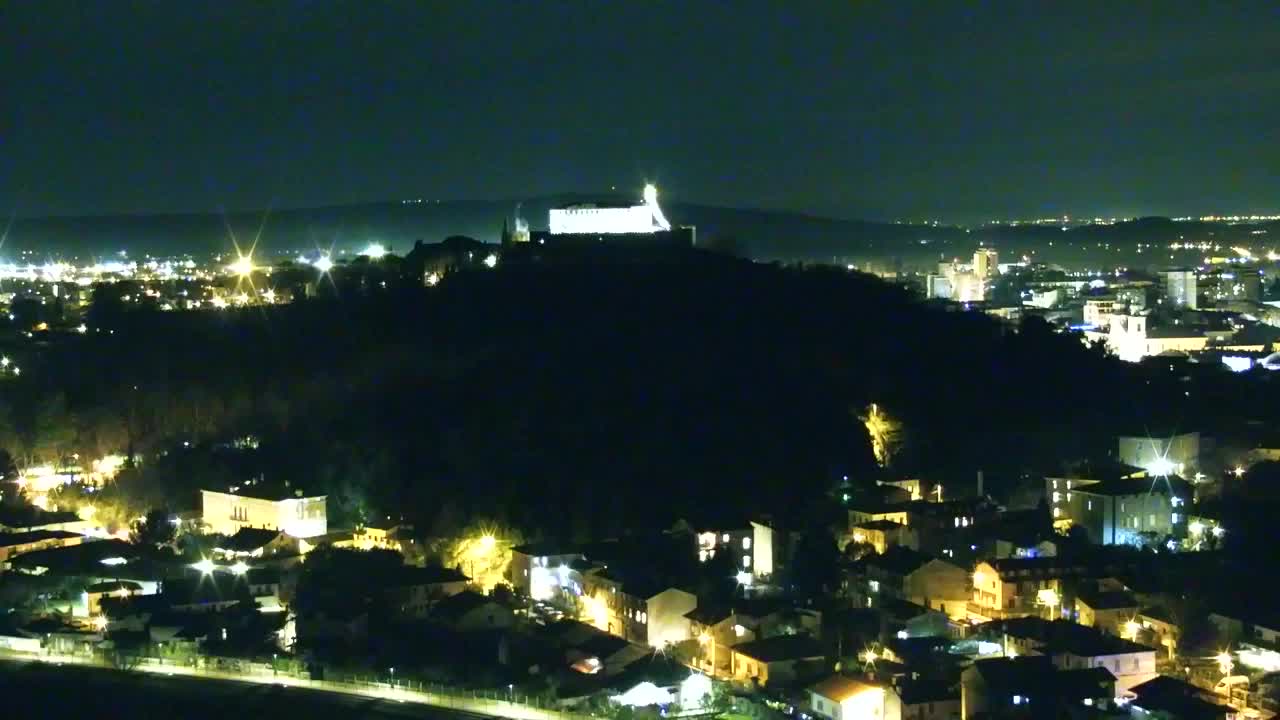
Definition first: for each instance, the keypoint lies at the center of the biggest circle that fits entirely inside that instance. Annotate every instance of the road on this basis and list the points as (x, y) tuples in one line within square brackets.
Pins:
[(45, 690)]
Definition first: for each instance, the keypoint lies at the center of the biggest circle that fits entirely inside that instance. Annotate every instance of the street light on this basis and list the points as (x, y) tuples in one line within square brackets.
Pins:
[(205, 566)]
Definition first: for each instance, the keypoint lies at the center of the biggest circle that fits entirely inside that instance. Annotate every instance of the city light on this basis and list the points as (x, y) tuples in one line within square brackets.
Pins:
[(205, 566), (374, 251), (491, 260), (243, 266), (1225, 663), (324, 264), (240, 568)]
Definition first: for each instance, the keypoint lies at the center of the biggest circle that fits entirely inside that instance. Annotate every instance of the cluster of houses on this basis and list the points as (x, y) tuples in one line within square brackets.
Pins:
[(946, 607)]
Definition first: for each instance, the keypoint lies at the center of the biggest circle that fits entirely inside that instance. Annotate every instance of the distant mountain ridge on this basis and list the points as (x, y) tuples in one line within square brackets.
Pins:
[(760, 234)]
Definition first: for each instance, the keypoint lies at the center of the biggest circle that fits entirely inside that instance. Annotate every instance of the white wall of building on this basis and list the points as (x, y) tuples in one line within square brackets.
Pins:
[(226, 513)]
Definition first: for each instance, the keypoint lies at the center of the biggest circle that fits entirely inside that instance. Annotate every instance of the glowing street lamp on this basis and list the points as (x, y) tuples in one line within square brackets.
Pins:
[(240, 568), (1131, 629), (487, 542), (1239, 471), (1225, 663), (243, 266), (324, 264), (205, 566)]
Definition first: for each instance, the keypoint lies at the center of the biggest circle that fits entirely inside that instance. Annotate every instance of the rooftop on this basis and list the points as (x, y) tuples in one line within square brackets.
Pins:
[(838, 688), (111, 586), (13, 539), (249, 539), (1064, 636), (899, 560), (782, 647), (429, 575), (1117, 487), (455, 606), (1113, 600), (1037, 676), (266, 490)]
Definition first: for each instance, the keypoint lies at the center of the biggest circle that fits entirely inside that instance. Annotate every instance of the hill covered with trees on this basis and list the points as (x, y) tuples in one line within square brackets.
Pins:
[(573, 399)]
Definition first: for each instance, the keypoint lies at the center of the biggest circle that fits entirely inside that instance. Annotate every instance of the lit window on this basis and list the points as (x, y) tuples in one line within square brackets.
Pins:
[(1055, 484), (874, 585), (1068, 497), (1176, 517), (1057, 496), (746, 543), (1090, 505), (1068, 484), (724, 538), (1017, 699), (957, 522), (746, 561), (1057, 512)]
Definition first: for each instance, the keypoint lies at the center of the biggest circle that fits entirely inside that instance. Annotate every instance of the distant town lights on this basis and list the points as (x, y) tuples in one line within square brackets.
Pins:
[(374, 251)]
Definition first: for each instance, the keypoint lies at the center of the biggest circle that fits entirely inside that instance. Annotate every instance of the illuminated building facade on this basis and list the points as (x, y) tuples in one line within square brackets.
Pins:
[(541, 570), (1134, 508), (1164, 455), (255, 506), (1180, 287), (840, 697), (610, 219), (643, 614), (752, 549)]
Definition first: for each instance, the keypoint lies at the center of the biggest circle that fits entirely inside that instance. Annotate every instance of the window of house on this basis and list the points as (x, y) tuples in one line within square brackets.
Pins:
[(746, 543), (746, 561), (724, 538)]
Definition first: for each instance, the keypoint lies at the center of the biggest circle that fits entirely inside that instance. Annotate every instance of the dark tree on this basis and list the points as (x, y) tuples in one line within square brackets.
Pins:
[(154, 530)]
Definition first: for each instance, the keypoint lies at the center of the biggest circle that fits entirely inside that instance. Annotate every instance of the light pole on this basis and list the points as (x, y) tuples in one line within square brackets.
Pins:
[(393, 677)]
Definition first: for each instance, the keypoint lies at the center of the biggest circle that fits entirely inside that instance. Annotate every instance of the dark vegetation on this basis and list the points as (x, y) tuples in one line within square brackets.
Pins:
[(576, 401)]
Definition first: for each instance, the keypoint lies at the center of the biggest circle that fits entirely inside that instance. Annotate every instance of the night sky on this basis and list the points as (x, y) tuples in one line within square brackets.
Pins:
[(854, 109)]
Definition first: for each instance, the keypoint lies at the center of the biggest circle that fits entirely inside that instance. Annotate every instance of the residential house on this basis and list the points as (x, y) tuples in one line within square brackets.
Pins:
[(382, 534), (716, 628), (640, 609), (1121, 506), (17, 543), (928, 699), (778, 660), (256, 504), (919, 578), (264, 587), (94, 593), (251, 542), (884, 534), (590, 651), (418, 588), (1169, 698), (840, 697), (469, 611), (755, 548), (1110, 611), (541, 570), (1071, 646), (1159, 627), (1030, 687)]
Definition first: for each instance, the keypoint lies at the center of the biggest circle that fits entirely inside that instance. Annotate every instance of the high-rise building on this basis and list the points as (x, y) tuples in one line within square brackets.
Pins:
[(1180, 287), (985, 262)]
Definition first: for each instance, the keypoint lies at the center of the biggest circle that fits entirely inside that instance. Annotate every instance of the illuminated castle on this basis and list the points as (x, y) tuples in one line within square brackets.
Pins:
[(579, 224)]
